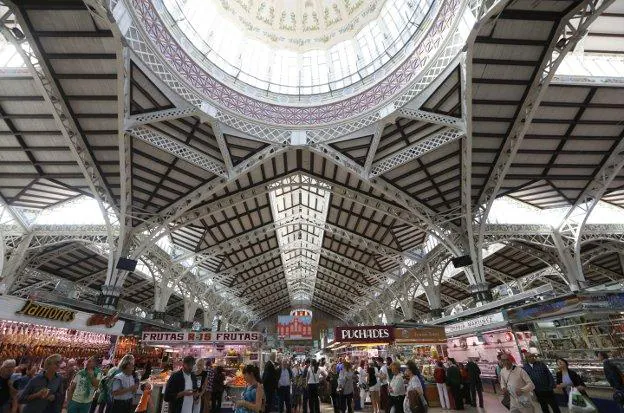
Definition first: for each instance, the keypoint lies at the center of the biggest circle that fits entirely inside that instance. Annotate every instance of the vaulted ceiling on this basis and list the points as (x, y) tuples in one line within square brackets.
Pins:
[(363, 242)]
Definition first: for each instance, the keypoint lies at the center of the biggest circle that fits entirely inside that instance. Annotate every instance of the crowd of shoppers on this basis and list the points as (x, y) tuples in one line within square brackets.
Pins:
[(197, 387)]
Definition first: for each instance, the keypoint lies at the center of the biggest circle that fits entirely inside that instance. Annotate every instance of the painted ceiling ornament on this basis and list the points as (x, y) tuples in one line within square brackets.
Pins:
[(301, 25)]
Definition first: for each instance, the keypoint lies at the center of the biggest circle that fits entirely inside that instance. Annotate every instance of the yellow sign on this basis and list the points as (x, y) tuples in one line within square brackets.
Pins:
[(421, 335), (49, 312)]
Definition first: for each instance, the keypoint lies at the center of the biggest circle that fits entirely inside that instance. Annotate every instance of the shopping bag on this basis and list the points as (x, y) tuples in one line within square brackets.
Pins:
[(579, 403)]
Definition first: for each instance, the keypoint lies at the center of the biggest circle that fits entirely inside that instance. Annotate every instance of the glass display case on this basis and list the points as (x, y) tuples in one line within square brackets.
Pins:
[(591, 371), (577, 338), (580, 336)]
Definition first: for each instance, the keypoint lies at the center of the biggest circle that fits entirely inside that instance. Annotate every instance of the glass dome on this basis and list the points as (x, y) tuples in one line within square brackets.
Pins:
[(299, 47)]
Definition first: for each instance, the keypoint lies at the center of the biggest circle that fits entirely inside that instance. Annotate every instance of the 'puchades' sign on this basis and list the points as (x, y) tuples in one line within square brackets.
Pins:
[(204, 337), (364, 334)]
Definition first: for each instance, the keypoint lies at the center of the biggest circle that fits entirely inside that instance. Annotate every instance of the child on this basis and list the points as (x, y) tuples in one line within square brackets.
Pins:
[(145, 403)]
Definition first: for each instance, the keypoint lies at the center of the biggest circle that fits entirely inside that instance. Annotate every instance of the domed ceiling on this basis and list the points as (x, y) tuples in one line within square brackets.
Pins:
[(299, 25)]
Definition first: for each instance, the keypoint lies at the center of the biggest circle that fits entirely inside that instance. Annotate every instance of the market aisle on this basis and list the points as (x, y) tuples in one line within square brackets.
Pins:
[(492, 405)]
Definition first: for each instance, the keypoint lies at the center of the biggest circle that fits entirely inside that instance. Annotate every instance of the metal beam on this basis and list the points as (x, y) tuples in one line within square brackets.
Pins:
[(170, 145), (568, 235), (571, 28)]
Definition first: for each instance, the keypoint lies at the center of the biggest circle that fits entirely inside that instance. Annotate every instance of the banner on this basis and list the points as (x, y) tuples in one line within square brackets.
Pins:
[(205, 337), (364, 334), (491, 320), (420, 335), (602, 300), (296, 326), (546, 309)]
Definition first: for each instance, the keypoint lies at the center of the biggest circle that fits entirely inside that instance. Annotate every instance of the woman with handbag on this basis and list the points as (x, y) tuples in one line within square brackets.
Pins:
[(517, 387), (373, 386), (414, 401), (567, 378)]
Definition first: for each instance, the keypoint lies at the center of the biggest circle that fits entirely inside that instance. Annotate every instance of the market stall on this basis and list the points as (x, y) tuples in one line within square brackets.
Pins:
[(575, 327), (425, 345), (230, 350), (31, 330), (355, 343), (483, 338)]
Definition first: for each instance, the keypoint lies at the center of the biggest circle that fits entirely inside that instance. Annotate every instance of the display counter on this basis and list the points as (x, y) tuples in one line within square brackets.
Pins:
[(483, 339), (575, 327), (229, 350)]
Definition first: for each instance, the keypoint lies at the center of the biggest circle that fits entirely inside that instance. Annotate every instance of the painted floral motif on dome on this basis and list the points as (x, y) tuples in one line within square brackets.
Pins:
[(301, 24)]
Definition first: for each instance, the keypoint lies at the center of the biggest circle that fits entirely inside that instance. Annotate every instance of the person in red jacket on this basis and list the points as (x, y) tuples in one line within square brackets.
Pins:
[(439, 374)]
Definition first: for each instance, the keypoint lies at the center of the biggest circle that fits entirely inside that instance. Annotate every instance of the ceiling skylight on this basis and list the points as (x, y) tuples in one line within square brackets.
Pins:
[(300, 205), (279, 49)]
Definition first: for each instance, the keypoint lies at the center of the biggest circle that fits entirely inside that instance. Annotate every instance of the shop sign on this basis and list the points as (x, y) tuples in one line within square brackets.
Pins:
[(543, 310), (364, 334), (103, 320), (420, 335), (206, 337), (48, 312), (475, 323), (604, 300)]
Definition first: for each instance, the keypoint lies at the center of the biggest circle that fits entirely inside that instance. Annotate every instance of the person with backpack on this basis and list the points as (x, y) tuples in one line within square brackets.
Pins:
[(332, 378), (283, 389), (373, 385), (439, 375)]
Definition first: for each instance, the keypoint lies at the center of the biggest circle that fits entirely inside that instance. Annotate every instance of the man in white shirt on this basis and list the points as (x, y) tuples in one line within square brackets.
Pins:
[(384, 380), (181, 388), (283, 389)]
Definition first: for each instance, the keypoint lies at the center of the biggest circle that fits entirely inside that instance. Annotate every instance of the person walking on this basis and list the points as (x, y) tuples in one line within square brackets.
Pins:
[(313, 383), (269, 382), (218, 387), (543, 381), (614, 377), (362, 382), (517, 383), (414, 393), (83, 386), (373, 385), (345, 388), (475, 383), (200, 375), (253, 395), (384, 381), (123, 386), (454, 381), (44, 392), (299, 383), (181, 389), (283, 390), (439, 375), (396, 388), (332, 378), (8, 394)]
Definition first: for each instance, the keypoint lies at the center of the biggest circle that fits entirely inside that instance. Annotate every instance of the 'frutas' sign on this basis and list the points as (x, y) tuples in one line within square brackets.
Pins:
[(364, 334)]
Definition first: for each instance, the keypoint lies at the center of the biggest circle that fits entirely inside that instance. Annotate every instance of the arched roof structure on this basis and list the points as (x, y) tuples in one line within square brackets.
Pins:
[(243, 201)]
